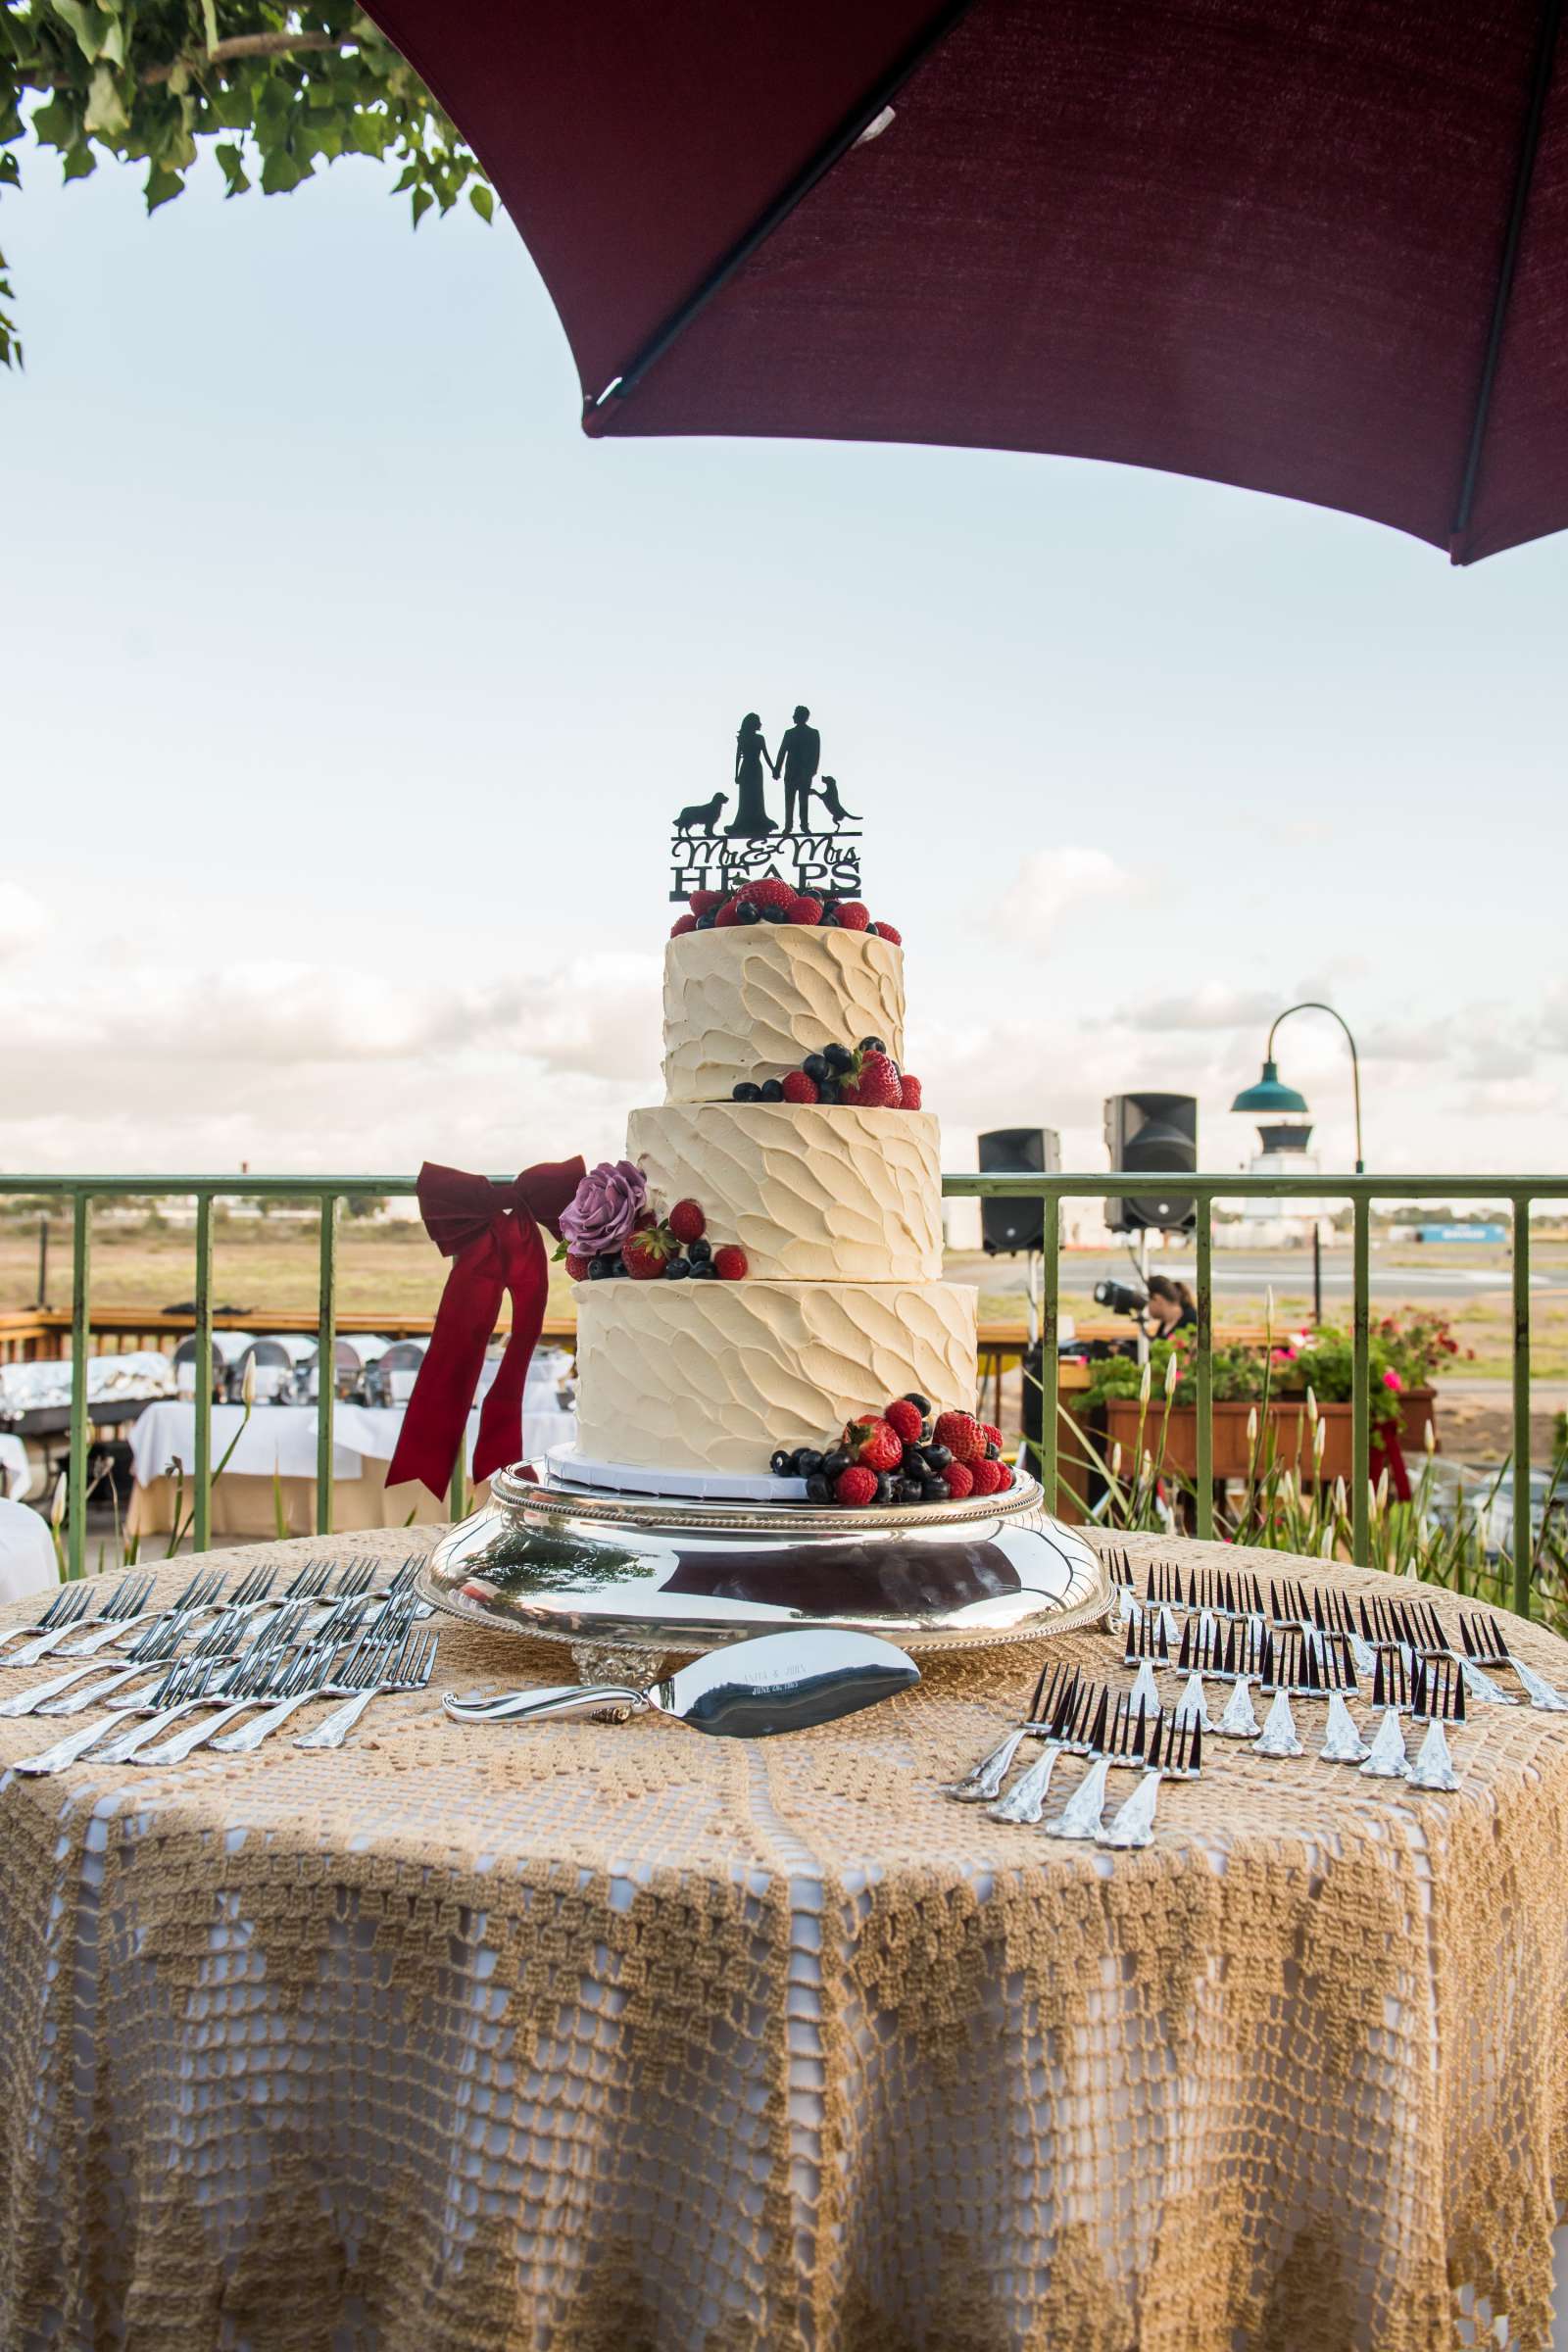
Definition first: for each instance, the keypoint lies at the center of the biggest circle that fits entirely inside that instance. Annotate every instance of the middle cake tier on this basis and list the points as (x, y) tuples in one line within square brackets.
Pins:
[(812, 1193)]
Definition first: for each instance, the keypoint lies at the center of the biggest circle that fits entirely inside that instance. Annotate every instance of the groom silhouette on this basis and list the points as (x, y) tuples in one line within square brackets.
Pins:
[(800, 749)]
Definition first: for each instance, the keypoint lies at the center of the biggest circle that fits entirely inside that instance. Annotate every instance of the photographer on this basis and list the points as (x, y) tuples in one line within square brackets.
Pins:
[(1170, 1307)]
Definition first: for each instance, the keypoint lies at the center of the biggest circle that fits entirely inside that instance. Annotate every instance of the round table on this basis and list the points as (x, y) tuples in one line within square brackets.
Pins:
[(593, 2035)]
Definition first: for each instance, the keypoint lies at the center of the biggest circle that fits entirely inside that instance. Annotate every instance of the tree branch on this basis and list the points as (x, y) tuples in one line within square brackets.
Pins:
[(250, 44)]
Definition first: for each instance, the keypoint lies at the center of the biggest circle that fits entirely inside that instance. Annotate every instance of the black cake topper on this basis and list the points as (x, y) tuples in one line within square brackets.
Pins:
[(816, 858)]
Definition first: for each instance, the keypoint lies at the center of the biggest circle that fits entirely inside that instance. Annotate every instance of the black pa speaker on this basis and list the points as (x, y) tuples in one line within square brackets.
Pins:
[(1009, 1225), (1158, 1133)]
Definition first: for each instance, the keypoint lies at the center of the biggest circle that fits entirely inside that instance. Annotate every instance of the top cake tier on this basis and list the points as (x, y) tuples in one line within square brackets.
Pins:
[(752, 1004)]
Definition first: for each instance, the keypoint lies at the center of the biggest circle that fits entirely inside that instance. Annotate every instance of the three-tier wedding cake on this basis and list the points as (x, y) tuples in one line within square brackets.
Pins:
[(815, 1289)]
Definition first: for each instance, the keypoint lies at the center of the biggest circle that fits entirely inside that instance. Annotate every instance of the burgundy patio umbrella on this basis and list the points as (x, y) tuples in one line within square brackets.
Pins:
[(1316, 247)]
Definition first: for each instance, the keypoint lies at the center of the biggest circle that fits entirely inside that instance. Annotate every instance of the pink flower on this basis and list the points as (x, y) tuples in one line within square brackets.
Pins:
[(1391, 1379), (604, 1210)]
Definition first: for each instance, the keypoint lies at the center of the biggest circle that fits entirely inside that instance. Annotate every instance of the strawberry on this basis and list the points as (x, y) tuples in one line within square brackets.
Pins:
[(726, 916), (910, 1091), (875, 1442), (797, 1088), (962, 1436), (960, 1480), (985, 1477), (706, 901), (576, 1267), (681, 925), (731, 1264), (854, 1487), (648, 1251), (878, 1085), (852, 916), (991, 1433), (1009, 1474), (768, 891), (805, 910), (886, 931), (687, 1222), (906, 1420)]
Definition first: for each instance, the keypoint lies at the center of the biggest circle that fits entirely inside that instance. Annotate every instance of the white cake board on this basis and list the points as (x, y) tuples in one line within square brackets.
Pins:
[(570, 1464)]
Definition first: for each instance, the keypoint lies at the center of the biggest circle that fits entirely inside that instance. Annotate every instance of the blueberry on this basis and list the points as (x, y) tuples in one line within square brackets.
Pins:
[(936, 1490), (936, 1459), (922, 1404), (909, 1490), (744, 1090), (775, 914), (617, 1264), (598, 1268), (772, 1090), (677, 1270), (747, 913), (706, 922), (873, 1044), (782, 1464), (992, 1452), (699, 1251), (807, 1462), (827, 921), (838, 1058), (827, 1090), (817, 1489), (815, 1067), (702, 1269), (884, 1487), (836, 1461)]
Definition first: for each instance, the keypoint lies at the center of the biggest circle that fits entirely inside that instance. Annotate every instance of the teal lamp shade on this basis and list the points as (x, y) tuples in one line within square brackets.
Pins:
[(1269, 1097)]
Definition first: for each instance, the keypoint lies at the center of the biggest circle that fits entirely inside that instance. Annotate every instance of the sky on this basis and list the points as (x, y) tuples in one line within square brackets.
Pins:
[(350, 692)]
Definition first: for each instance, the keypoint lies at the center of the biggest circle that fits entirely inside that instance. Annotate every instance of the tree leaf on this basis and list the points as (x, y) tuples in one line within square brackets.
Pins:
[(161, 186), (79, 163), (231, 163), (482, 201), (421, 201), (106, 116)]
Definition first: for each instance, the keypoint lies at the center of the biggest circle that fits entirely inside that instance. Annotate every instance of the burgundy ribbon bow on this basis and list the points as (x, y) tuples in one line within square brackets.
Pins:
[(491, 1232)]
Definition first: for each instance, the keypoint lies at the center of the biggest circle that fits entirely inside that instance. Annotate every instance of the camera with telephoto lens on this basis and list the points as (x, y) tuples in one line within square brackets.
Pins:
[(1120, 1298)]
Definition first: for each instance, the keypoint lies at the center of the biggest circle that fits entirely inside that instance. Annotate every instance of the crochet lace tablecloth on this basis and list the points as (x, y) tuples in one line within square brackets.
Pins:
[(590, 2037)]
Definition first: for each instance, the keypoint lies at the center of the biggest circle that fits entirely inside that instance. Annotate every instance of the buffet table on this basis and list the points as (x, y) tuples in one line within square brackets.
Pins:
[(593, 2035), (274, 1460)]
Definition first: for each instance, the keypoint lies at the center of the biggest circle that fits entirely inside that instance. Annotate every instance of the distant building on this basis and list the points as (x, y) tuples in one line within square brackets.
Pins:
[(1273, 1224)]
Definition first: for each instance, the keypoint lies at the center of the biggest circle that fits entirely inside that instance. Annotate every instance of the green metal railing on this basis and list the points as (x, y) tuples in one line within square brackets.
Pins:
[(327, 1191)]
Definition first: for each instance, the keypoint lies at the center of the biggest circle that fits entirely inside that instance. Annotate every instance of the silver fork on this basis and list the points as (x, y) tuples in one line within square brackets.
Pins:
[(306, 1679), (201, 1593), (69, 1604), (123, 1603), (44, 1699), (256, 1679), (218, 1644), (411, 1670), (182, 1686)]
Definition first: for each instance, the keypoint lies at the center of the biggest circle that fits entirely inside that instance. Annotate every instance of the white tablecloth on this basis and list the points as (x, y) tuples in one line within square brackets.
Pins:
[(26, 1556), (280, 1438), (16, 1471)]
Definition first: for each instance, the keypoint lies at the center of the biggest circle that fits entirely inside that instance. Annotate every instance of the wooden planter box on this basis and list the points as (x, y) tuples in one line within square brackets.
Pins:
[(1232, 1456)]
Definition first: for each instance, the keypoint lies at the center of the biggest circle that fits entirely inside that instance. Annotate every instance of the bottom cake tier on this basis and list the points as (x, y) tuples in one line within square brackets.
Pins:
[(716, 1375)]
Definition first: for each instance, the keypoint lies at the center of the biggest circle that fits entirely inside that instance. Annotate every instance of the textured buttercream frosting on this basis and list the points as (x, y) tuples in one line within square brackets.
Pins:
[(812, 1195), (714, 1375), (753, 1004)]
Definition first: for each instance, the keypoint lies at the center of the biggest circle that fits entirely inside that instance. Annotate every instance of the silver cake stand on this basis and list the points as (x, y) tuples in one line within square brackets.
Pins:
[(641, 1577)]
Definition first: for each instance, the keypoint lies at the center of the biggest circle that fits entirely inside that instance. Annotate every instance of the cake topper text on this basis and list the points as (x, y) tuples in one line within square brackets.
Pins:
[(731, 839)]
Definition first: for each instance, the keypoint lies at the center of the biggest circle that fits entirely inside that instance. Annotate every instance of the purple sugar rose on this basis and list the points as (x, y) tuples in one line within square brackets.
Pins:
[(603, 1208)]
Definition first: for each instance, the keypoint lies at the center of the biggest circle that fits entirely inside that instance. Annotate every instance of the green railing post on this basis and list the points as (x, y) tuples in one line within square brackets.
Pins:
[(1523, 1537), (1049, 1330), (76, 1476), (1205, 1365), (325, 1364), (1361, 1388), (202, 1518)]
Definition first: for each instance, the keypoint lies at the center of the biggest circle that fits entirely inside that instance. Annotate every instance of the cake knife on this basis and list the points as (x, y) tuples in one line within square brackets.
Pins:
[(746, 1690)]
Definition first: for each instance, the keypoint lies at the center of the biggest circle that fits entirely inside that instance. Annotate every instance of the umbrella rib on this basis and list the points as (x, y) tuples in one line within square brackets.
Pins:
[(1524, 174), (833, 148)]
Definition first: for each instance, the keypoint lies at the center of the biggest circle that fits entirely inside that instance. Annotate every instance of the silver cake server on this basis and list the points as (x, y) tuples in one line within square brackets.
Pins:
[(746, 1690)]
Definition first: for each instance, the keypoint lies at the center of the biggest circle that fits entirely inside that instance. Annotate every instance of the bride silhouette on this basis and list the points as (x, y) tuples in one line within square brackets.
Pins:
[(751, 759)]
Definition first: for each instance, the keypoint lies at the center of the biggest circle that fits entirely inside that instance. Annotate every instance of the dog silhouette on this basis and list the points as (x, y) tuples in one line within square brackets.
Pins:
[(705, 814), (827, 792)]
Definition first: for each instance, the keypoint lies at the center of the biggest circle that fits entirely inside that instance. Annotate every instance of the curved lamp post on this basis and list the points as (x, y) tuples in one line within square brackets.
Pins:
[(1271, 1095)]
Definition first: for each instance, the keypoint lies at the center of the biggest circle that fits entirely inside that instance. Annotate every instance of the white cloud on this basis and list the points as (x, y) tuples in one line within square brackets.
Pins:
[(1051, 885), (1209, 1007), (23, 919)]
